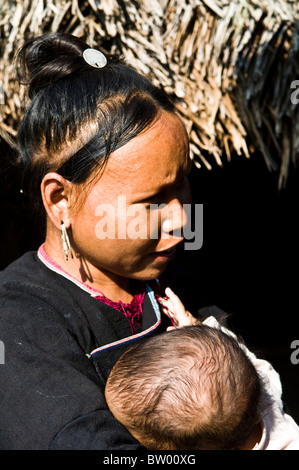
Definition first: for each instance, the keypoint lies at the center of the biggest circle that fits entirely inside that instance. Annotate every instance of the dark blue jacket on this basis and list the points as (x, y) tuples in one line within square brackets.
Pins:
[(60, 345)]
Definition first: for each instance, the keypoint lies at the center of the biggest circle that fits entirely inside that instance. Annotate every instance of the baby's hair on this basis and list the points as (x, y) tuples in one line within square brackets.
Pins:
[(190, 388), (78, 114)]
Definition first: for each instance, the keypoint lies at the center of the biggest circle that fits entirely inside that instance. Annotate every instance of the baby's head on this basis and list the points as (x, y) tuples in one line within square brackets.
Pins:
[(186, 389)]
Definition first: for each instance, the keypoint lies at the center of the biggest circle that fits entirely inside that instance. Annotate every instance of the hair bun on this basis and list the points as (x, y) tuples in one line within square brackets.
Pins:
[(45, 59)]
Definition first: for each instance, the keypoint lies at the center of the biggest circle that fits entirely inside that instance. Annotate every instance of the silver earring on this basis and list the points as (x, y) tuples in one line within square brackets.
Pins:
[(65, 242)]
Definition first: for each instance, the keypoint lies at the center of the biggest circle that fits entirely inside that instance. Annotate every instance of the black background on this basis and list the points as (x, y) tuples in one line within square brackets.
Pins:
[(248, 264)]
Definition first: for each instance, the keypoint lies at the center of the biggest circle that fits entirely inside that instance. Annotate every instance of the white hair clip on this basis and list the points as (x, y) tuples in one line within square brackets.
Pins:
[(94, 58)]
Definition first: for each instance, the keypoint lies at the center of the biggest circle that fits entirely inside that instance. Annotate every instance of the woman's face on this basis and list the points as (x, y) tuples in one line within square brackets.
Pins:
[(130, 222)]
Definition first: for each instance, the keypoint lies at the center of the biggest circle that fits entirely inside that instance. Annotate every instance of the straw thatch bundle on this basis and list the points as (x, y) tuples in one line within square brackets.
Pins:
[(231, 64)]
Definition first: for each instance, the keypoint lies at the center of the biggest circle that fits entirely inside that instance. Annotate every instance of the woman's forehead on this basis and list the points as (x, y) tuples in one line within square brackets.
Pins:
[(158, 153)]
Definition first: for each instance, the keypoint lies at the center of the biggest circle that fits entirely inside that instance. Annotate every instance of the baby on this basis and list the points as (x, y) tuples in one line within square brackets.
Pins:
[(197, 387)]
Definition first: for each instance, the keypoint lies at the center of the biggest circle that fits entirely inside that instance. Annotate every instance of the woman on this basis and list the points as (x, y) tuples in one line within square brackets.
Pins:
[(105, 152)]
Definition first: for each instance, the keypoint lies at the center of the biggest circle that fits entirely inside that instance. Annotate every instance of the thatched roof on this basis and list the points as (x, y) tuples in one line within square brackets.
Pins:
[(232, 64)]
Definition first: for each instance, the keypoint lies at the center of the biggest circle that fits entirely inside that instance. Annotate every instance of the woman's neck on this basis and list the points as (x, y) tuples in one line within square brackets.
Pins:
[(113, 287)]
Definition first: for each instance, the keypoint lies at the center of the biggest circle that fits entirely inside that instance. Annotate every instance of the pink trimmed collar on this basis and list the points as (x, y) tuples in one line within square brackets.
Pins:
[(59, 270), (132, 311)]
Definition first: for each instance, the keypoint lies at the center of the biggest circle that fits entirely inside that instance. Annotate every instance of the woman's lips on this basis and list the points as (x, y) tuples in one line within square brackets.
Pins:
[(164, 255)]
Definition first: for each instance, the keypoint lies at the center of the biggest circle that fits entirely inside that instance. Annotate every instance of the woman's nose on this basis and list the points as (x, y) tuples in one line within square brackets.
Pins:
[(174, 219)]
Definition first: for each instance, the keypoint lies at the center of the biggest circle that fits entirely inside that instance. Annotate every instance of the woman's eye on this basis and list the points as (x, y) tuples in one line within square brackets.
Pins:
[(153, 200), (162, 196)]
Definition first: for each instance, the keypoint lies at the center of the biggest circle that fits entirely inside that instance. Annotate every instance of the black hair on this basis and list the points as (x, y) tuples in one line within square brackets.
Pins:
[(67, 94)]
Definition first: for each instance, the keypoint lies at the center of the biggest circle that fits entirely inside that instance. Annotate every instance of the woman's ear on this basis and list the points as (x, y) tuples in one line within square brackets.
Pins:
[(56, 194)]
